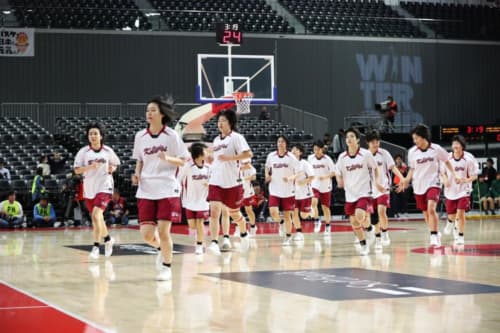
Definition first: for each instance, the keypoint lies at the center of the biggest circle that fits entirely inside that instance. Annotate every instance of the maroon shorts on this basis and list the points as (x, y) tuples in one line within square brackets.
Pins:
[(383, 200), (101, 200), (285, 204), (303, 205), (432, 194), (461, 203), (325, 198), (247, 202), (151, 211), (362, 203), (231, 197), (192, 214)]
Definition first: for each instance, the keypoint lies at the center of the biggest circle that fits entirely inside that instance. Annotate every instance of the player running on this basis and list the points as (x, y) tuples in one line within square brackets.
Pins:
[(324, 171), (303, 190), (355, 168), (457, 193), (97, 162), (160, 153)]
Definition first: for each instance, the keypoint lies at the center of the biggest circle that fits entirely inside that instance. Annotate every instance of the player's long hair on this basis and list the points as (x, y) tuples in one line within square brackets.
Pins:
[(166, 106), (373, 135), (301, 148), (422, 131), (98, 126), (460, 139), (197, 150), (231, 117)]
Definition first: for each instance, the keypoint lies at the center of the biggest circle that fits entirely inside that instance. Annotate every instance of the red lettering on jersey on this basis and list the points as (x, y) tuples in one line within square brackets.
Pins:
[(154, 149)]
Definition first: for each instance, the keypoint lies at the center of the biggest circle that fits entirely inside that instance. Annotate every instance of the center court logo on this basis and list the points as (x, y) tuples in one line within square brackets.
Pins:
[(385, 75)]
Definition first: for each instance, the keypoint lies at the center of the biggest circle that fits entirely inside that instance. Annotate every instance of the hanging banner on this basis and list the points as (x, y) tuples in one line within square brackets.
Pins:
[(17, 42)]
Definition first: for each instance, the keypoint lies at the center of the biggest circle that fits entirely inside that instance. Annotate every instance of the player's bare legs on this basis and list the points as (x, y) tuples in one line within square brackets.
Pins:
[(148, 235), (328, 217), (315, 214), (165, 240), (251, 215), (215, 214)]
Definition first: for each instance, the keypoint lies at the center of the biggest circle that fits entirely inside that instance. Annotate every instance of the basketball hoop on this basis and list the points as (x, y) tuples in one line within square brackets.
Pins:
[(242, 99)]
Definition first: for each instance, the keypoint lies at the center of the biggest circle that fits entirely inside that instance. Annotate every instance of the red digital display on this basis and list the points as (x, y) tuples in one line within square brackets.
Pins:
[(472, 133), (228, 33)]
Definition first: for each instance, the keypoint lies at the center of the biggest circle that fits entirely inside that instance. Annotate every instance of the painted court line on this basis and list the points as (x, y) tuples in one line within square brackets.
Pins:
[(388, 291), (24, 307), (421, 290)]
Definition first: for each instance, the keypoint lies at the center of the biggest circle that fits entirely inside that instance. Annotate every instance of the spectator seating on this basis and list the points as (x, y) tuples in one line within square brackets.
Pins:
[(90, 14), (350, 17), (190, 15), (458, 21)]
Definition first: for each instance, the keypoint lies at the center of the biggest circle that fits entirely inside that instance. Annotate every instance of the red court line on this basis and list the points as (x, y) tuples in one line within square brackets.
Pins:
[(22, 313)]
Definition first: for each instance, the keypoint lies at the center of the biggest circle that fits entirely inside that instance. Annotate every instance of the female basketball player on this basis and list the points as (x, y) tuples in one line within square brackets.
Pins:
[(303, 190), (249, 174), (159, 152), (97, 162), (280, 169), (194, 180), (225, 188)]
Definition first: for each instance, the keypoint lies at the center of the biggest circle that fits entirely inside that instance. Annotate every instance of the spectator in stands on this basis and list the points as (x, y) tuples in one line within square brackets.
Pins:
[(72, 197), (11, 212), (260, 203), (4, 172), (264, 113), (328, 148), (37, 187), (44, 214), (390, 113), (399, 199), (482, 196), (489, 172), (117, 212), (57, 163), (339, 143), (43, 163), (495, 189)]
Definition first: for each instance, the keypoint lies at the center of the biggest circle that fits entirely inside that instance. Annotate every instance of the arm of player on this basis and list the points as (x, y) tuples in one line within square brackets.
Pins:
[(452, 171), (306, 181), (250, 178), (405, 181), (136, 177), (83, 169), (267, 175), (170, 159), (445, 180), (243, 156), (379, 186)]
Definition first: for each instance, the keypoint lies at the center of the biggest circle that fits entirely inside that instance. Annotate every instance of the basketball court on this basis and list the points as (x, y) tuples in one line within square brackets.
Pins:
[(47, 283)]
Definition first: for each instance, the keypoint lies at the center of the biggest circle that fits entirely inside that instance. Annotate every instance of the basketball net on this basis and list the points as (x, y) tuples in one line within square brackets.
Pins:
[(242, 100)]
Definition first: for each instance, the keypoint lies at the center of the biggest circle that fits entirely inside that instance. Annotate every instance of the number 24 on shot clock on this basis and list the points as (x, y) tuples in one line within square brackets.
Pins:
[(228, 33)]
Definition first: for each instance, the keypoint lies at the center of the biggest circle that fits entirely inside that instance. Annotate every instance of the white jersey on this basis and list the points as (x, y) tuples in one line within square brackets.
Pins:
[(158, 178), (248, 191), (464, 167), (323, 166), (194, 181), (357, 173), (425, 165), (280, 167), (303, 191), (385, 164), (227, 174), (96, 180)]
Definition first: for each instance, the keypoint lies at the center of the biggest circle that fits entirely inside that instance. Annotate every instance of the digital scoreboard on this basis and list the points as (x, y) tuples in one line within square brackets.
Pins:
[(228, 33), (472, 133)]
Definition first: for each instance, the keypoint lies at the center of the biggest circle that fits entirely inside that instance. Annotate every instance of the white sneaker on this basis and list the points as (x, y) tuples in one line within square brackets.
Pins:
[(356, 240), (435, 240), (165, 274), (57, 224), (159, 261), (108, 247), (214, 248), (281, 230), (199, 249), (364, 250), (460, 240), (244, 244), (253, 231), (448, 228), (378, 243), (299, 237), (94, 254), (226, 244), (386, 241), (236, 231), (317, 226), (287, 241), (455, 232)]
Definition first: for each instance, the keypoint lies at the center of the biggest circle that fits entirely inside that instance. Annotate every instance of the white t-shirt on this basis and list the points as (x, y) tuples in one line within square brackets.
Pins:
[(425, 165), (194, 181), (280, 167), (464, 167), (385, 164), (323, 166), (247, 184), (357, 173), (303, 191), (227, 174), (158, 177), (96, 180)]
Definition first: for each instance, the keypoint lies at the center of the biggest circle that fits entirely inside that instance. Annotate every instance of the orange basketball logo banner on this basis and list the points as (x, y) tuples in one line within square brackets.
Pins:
[(17, 42)]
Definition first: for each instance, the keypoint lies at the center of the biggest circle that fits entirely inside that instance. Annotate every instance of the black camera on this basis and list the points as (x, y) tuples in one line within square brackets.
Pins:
[(383, 106)]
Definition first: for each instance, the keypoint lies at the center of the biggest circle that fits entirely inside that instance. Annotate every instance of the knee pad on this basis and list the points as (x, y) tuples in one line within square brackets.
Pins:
[(374, 218)]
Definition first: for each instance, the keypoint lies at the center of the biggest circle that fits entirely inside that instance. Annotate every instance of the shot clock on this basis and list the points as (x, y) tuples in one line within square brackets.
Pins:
[(228, 33)]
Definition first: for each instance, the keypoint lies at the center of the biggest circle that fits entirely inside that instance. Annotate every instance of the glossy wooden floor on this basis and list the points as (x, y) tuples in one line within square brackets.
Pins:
[(121, 294)]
